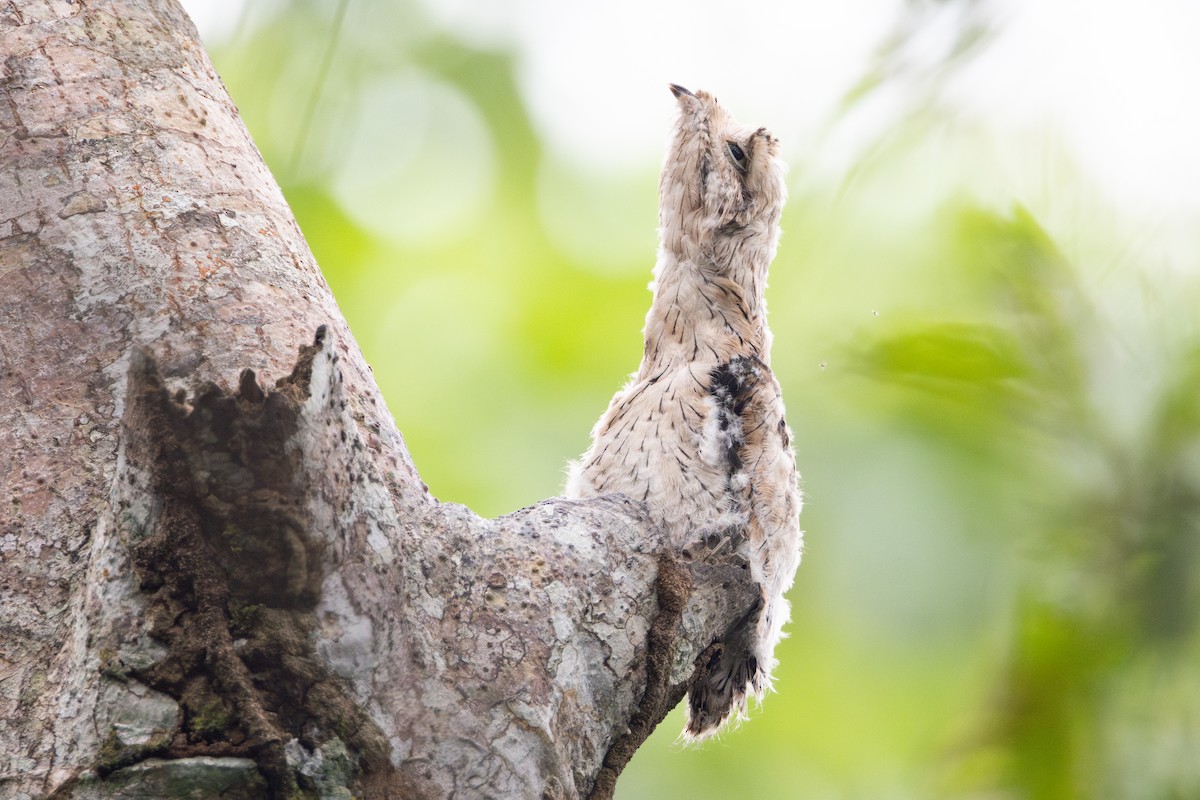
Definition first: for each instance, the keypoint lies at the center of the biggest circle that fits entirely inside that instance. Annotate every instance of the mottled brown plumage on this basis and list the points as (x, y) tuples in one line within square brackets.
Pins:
[(698, 434)]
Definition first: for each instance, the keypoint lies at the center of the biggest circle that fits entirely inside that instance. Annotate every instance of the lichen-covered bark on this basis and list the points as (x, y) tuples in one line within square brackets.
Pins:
[(134, 211), (247, 591)]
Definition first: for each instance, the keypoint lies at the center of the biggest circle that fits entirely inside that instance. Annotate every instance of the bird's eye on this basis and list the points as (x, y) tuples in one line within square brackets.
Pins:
[(739, 155)]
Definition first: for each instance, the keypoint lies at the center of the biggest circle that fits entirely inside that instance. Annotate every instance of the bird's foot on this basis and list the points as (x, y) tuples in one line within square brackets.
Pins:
[(716, 545)]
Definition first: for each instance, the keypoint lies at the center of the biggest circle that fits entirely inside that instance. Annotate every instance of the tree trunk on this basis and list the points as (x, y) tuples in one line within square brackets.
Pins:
[(249, 592)]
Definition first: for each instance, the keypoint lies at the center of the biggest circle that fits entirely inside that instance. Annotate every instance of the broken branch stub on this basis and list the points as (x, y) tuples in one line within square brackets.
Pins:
[(303, 614)]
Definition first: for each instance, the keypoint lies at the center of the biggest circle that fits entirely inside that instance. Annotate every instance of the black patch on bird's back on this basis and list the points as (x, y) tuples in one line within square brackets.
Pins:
[(730, 385)]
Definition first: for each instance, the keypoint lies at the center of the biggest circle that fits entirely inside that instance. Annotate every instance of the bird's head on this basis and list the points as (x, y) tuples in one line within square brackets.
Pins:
[(722, 182)]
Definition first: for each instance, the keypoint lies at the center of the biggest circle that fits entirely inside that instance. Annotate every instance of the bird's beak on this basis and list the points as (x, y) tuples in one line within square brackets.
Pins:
[(679, 91)]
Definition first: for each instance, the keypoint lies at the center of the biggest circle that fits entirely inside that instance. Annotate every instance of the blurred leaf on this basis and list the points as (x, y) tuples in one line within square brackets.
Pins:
[(1035, 287), (951, 359)]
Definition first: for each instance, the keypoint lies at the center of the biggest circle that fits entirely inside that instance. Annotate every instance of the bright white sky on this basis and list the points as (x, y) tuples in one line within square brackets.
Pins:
[(1115, 82)]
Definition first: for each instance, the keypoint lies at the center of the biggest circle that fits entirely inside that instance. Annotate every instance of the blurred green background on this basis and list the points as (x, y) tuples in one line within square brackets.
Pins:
[(986, 341)]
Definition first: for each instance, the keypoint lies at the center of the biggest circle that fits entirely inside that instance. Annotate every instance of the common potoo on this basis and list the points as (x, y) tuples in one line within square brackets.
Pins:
[(698, 434)]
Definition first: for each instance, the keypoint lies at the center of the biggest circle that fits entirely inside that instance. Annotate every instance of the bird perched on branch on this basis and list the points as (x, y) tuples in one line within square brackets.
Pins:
[(698, 434)]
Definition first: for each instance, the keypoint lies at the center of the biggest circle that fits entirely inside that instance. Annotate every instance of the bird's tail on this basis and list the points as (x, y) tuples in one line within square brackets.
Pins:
[(732, 674)]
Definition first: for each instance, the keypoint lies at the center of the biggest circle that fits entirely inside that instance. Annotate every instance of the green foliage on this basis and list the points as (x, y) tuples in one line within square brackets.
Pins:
[(999, 435)]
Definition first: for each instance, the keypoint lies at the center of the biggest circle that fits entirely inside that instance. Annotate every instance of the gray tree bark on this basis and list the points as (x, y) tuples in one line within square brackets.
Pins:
[(247, 591)]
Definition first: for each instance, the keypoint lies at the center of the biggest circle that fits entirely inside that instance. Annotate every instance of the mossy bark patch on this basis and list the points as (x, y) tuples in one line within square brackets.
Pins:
[(234, 575)]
